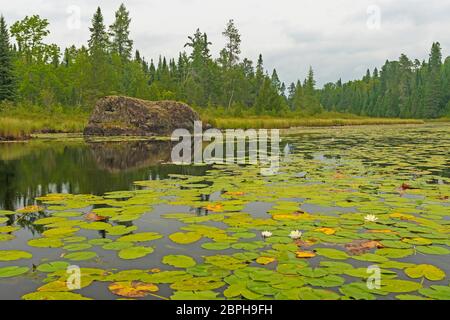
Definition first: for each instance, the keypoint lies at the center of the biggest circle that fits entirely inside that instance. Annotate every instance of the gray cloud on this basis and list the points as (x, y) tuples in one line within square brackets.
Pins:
[(331, 36)]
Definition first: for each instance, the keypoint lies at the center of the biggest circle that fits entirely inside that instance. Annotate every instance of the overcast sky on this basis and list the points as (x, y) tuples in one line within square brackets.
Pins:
[(338, 38)]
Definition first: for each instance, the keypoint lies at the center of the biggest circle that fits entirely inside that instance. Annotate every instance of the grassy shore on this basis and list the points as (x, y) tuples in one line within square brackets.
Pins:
[(18, 124), (285, 123)]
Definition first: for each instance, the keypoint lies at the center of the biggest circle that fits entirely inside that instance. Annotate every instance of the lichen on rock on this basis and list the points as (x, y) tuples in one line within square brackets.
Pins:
[(119, 115)]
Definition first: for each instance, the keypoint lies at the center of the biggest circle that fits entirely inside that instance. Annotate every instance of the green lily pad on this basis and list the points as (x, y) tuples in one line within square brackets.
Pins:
[(53, 266), (11, 255), (307, 293), (77, 247), (185, 237), (141, 237), (3, 220), (395, 253), (6, 237), (436, 292), (8, 272), (59, 232), (179, 261), (437, 250), (134, 252), (48, 295), (216, 246), (332, 253), (194, 295), (46, 243), (99, 242), (49, 220), (121, 230), (425, 270), (358, 291), (8, 229), (80, 256), (117, 245), (399, 286), (198, 284)]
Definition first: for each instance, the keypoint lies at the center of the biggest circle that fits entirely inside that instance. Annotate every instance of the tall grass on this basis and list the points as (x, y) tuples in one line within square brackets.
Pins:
[(20, 122), (285, 123), (11, 128)]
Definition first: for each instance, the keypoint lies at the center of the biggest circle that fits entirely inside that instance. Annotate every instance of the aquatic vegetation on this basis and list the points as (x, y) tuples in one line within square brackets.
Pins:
[(132, 289), (266, 234), (234, 234), (295, 234)]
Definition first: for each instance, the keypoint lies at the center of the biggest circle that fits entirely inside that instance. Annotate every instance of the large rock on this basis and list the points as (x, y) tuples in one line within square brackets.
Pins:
[(118, 115)]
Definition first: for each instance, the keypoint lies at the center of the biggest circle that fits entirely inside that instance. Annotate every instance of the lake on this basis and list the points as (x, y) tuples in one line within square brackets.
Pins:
[(139, 226)]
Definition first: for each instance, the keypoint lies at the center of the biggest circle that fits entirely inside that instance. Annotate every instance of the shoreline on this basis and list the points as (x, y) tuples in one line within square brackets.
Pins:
[(329, 123)]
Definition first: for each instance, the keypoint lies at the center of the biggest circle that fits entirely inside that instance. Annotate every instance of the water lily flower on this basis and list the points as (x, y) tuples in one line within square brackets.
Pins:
[(266, 234), (371, 218), (295, 234)]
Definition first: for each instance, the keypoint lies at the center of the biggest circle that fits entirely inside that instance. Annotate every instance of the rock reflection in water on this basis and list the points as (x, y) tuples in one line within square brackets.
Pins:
[(119, 156)]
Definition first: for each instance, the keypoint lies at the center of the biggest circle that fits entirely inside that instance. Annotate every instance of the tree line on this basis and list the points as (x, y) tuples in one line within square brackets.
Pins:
[(403, 88), (38, 73)]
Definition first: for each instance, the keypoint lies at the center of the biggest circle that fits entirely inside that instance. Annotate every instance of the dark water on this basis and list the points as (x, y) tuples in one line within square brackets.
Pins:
[(31, 169)]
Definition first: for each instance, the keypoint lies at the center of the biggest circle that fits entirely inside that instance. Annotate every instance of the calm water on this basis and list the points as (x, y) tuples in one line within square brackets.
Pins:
[(29, 170)]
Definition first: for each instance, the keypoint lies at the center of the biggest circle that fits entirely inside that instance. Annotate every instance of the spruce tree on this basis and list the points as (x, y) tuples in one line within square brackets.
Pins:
[(276, 81), (230, 54), (100, 66), (98, 40), (433, 87), (7, 79), (121, 44)]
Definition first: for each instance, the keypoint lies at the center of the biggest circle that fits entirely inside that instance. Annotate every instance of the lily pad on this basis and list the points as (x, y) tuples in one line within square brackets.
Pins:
[(425, 270), (185, 237), (11, 255), (194, 295), (134, 252), (332, 253), (46, 243), (179, 261), (132, 289), (141, 237), (8, 272), (80, 256), (48, 295), (216, 245), (399, 286), (53, 266)]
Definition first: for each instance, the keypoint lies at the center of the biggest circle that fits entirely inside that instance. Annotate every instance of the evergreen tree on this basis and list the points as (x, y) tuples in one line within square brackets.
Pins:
[(433, 88), (99, 67), (7, 78), (98, 41), (230, 54), (276, 81), (121, 44)]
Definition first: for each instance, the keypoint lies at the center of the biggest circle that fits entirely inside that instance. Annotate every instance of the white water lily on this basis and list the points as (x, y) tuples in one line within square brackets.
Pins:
[(266, 234), (295, 234), (371, 218)]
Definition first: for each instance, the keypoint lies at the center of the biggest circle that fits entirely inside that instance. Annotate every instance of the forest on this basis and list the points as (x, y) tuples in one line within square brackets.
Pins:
[(38, 75)]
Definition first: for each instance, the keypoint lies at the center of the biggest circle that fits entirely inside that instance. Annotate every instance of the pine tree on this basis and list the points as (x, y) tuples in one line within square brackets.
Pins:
[(230, 54), (433, 88), (311, 101), (98, 41), (7, 79), (276, 81), (121, 44)]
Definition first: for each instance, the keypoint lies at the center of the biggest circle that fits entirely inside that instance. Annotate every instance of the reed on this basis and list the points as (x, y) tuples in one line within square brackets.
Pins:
[(285, 123), (19, 127)]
